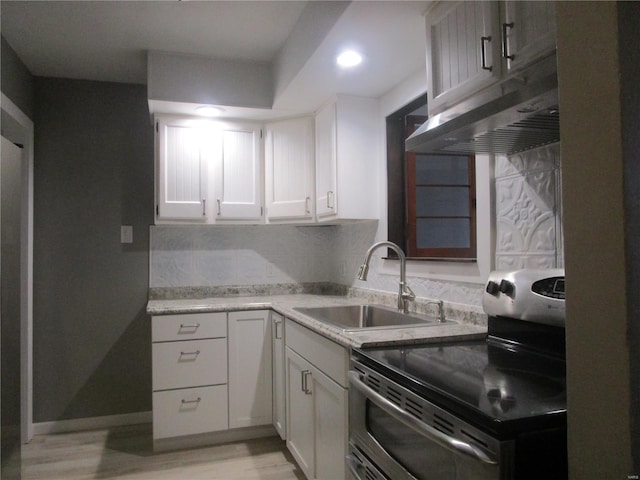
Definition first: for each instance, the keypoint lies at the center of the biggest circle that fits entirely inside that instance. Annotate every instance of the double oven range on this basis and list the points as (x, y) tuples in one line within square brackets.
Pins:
[(472, 410)]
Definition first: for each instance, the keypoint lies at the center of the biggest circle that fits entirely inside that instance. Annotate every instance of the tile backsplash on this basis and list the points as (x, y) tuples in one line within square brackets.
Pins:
[(529, 210), (211, 256), (203, 258)]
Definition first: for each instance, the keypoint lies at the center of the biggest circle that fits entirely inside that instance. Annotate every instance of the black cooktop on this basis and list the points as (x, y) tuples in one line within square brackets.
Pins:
[(499, 383)]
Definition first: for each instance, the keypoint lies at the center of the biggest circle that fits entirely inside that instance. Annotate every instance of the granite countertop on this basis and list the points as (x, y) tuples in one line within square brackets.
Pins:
[(285, 304)]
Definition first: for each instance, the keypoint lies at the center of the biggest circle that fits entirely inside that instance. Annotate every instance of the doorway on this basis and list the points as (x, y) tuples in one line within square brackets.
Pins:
[(16, 270)]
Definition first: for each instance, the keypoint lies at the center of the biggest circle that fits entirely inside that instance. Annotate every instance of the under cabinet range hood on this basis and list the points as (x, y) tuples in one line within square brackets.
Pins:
[(518, 114)]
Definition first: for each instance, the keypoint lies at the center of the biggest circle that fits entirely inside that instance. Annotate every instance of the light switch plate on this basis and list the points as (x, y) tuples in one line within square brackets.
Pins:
[(126, 234)]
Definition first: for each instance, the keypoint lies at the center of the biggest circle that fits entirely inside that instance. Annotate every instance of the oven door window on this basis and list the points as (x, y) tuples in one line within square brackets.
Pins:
[(421, 456)]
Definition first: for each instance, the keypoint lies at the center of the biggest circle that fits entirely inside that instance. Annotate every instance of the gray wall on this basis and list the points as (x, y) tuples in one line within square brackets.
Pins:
[(16, 80), (93, 173)]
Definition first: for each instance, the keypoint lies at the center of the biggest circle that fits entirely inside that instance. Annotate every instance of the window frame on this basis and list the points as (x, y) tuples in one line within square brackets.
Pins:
[(412, 215), (398, 207)]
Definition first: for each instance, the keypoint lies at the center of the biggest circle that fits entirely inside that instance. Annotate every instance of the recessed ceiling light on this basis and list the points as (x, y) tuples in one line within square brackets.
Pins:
[(349, 58), (209, 111)]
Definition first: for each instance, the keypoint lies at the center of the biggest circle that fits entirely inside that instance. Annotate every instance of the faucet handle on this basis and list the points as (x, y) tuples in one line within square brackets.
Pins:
[(407, 293)]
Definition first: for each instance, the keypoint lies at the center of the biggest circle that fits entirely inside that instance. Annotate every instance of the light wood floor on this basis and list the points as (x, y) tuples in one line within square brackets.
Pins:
[(127, 453)]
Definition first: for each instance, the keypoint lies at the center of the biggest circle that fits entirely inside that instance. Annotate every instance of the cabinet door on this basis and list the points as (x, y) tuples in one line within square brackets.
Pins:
[(181, 169), (326, 158), (331, 425), (289, 169), (238, 173), (249, 338), (530, 28), (300, 428), (278, 385), (463, 51)]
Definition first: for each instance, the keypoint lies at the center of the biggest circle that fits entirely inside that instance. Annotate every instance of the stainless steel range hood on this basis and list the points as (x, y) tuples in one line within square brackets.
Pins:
[(520, 113)]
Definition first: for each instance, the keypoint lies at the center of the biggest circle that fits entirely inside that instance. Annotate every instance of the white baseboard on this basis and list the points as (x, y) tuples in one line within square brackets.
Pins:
[(213, 438), (91, 423)]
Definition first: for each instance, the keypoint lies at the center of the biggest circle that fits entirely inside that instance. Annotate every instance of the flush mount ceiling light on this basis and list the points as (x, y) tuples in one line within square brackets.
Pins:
[(209, 111), (348, 59)]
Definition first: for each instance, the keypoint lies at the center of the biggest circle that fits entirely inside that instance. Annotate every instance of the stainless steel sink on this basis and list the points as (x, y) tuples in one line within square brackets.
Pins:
[(361, 317)]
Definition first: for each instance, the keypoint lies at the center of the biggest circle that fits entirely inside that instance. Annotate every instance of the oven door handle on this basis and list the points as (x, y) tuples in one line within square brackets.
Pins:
[(422, 428)]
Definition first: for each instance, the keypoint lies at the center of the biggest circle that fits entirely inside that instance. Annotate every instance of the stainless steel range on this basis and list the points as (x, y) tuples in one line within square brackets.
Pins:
[(488, 409)]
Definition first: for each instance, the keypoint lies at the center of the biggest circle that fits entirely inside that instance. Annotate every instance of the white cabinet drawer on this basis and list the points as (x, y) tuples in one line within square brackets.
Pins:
[(189, 411), (189, 326), (328, 356), (189, 364)]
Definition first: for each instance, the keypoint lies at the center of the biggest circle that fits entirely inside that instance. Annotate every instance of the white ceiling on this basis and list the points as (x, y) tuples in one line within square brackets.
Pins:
[(108, 40)]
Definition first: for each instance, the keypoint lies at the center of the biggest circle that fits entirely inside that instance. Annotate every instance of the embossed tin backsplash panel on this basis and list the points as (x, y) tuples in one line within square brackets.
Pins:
[(529, 210)]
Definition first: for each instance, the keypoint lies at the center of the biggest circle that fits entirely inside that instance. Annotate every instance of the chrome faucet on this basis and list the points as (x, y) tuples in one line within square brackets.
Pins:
[(405, 294)]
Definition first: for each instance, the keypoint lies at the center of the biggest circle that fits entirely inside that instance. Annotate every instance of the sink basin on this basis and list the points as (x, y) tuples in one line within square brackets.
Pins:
[(360, 317)]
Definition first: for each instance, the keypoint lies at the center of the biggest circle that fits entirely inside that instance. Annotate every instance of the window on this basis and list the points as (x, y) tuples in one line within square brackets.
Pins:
[(431, 203)]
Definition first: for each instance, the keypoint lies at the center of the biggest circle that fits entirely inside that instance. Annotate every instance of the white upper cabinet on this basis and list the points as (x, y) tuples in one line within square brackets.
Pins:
[(326, 161), (529, 31), (182, 169), (237, 178), (463, 51), (472, 45), (289, 170), (208, 171), (346, 148)]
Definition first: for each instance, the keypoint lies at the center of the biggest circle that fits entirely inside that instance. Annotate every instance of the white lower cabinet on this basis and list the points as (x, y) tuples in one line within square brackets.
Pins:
[(279, 383), (239, 373), (189, 374), (300, 429), (211, 374), (317, 403), (249, 368)]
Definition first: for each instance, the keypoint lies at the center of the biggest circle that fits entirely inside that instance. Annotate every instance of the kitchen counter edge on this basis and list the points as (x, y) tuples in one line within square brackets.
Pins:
[(285, 304)]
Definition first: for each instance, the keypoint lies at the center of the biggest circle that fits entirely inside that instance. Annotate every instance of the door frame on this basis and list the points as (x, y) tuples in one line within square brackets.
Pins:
[(23, 133)]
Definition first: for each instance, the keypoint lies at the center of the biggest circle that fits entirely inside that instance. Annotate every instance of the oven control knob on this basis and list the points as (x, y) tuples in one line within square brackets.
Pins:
[(492, 288), (507, 287)]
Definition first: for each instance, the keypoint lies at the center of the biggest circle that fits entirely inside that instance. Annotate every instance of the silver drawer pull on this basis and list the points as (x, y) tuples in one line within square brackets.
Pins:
[(191, 326), (195, 354), (197, 400)]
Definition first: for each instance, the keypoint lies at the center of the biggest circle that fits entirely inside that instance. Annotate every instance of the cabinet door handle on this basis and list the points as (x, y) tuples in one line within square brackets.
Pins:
[(278, 323), (505, 44), (204, 207), (305, 381), (329, 198), (219, 211), (307, 202), (197, 400), (483, 50)]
